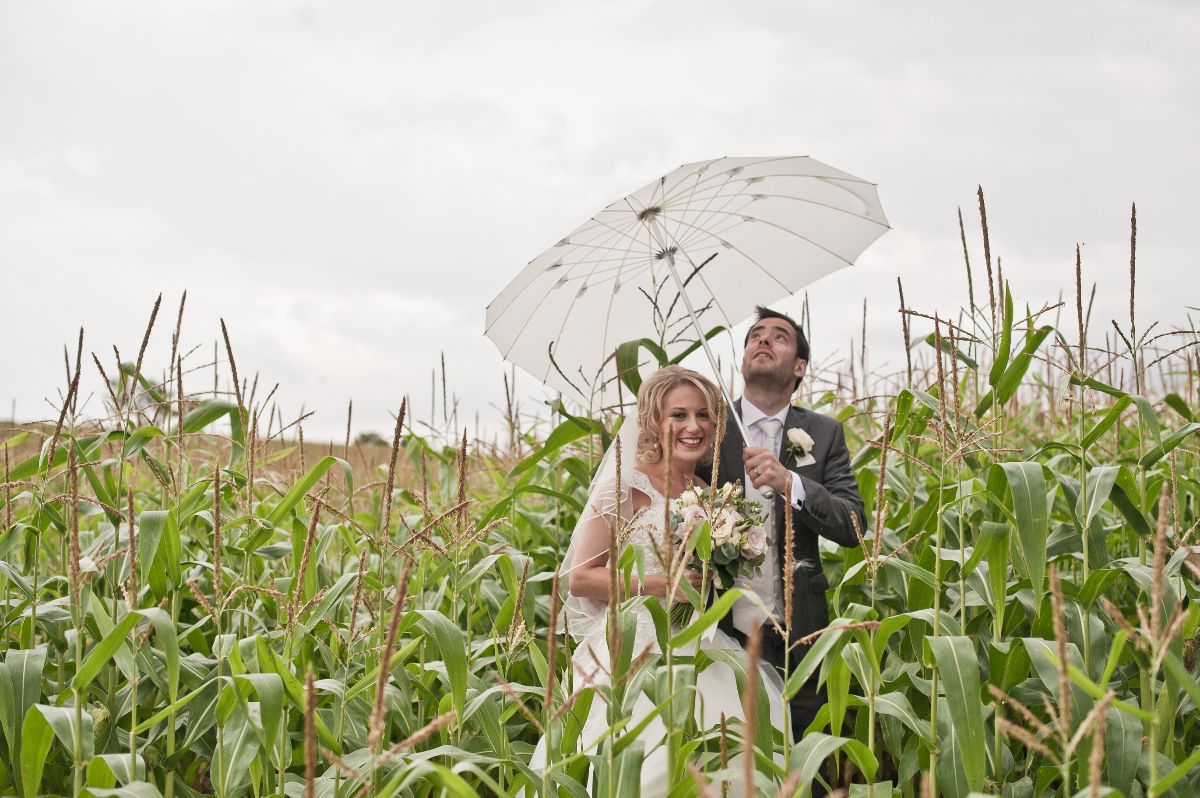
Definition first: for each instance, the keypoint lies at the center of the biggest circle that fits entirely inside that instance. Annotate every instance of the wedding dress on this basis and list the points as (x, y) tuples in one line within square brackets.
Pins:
[(716, 687)]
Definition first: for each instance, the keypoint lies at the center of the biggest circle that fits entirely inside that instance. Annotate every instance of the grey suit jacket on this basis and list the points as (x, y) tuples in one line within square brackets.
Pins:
[(831, 498)]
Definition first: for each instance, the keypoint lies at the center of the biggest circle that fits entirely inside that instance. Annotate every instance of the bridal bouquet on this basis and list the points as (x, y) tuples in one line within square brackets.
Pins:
[(722, 530)]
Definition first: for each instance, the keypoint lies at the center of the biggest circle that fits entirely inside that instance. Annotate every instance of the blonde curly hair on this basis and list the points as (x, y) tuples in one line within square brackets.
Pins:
[(651, 397)]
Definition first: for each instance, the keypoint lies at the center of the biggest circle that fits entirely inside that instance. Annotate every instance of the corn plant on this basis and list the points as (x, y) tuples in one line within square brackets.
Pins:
[(197, 602)]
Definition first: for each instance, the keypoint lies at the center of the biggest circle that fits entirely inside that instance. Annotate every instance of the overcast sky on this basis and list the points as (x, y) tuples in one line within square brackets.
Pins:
[(349, 184)]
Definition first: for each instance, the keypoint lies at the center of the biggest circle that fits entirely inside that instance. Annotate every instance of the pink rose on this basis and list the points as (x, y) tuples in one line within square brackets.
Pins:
[(690, 521), (756, 542)]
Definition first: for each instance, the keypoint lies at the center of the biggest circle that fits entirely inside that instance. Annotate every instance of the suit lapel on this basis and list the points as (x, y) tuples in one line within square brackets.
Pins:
[(795, 418), (783, 438), (731, 446)]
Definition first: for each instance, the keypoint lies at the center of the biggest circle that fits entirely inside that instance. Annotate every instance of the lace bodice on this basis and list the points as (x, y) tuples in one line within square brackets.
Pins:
[(645, 527), (641, 529)]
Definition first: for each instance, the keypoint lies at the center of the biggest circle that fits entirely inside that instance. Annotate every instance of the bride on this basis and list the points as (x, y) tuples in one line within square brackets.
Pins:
[(673, 404)]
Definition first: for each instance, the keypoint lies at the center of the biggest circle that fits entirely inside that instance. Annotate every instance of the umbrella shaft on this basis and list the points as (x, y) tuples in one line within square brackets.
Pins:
[(765, 490)]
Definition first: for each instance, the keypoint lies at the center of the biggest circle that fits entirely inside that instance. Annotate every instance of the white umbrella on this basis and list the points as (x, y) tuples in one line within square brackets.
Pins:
[(743, 231)]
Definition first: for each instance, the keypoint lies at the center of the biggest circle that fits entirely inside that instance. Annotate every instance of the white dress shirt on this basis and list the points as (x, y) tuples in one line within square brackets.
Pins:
[(750, 417), (767, 582)]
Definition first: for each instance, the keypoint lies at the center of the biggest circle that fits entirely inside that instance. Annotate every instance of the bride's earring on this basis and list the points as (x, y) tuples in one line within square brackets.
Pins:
[(649, 442)]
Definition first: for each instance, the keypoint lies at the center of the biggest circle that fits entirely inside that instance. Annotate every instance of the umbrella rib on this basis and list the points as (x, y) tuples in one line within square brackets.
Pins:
[(616, 233), (695, 172), (706, 216), (604, 232), (830, 179), (726, 172), (574, 299), (575, 245), (702, 222), (717, 304), (799, 236), (537, 306), (705, 204), (700, 213), (760, 267), (809, 201), (699, 274), (612, 298), (617, 258), (633, 221), (669, 193), (842, 178)]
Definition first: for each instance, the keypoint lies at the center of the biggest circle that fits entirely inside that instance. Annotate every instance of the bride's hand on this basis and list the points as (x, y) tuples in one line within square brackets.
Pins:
[(694, 578)]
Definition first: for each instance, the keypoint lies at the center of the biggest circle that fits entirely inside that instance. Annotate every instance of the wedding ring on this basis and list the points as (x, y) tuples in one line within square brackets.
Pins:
[(757, 471)]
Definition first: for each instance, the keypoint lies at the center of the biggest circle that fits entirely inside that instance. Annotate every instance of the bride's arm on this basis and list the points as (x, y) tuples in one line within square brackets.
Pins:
[(590, 576)]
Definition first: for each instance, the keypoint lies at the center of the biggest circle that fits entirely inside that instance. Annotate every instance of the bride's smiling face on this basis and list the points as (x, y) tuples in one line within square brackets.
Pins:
[(685, 415)]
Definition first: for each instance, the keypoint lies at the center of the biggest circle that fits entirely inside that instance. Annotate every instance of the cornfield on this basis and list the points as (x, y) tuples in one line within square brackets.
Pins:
[(192, 606)]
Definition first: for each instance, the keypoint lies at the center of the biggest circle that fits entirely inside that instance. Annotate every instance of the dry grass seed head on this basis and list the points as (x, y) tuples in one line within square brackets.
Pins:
[(588, 681), (516, 629), (987, 255), (217, 536), (1094, 716), (237, 385), (1160, 558), (357, 603), (72, 390), (1060, 642), (462, 486), (526, 711), (137, 367), (1042, 729), (750, 709), (1022, 734), (310, 736), (379, 712), (312, 602), (390, 484), (703, 787), (842, 627), (133, 560), (789, 557), (552, 642), (203, 599), (420, 735), (1096, 759), (309, 544)]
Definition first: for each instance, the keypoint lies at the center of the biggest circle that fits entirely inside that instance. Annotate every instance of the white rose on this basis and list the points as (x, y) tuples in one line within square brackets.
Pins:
[(689, 498), (724, 528), (726, 491), (800, 439), (756, 541)]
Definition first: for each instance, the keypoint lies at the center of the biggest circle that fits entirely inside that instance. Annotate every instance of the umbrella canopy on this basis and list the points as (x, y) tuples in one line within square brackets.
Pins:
[(742, 231)]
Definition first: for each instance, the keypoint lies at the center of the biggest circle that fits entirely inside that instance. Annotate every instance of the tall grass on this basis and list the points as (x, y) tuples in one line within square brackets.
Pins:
[(194, 605)]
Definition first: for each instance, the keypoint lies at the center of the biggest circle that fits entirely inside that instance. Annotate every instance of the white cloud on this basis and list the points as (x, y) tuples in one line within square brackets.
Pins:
[(349, 187)]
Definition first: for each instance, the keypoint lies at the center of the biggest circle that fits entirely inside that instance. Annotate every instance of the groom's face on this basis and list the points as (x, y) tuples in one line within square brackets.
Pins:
[(771, 353)]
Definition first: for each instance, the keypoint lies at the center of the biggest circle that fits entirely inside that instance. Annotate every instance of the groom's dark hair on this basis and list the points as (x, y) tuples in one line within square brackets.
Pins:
[(801, 340)]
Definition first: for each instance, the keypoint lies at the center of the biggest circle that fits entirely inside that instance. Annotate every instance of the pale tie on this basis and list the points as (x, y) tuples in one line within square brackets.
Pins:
[(768, 430), (766, 582)]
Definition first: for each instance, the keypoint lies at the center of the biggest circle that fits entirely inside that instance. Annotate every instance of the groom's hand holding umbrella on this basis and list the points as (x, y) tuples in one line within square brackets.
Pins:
[(764, 470)]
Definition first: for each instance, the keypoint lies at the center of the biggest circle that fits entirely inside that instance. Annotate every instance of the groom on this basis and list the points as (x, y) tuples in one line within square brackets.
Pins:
[(814, 468)]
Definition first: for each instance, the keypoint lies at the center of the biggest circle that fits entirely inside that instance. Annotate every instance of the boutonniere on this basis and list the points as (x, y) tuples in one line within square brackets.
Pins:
[(800, 443)]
